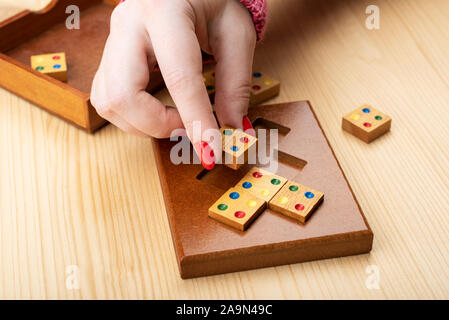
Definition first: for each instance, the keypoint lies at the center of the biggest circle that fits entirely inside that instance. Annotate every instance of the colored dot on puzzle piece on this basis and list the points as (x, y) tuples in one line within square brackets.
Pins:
[(366, 110), (257, 174), (247, 185), (222, 206), (239, 214), (309, 195), (234, 195)]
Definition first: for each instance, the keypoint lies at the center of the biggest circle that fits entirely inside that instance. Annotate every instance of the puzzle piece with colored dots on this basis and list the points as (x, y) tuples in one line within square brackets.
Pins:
[(237, 147), (53, 64), (279, 194), (261, 183), (366, 123), (263, 87), (237, 209), (296, 201)]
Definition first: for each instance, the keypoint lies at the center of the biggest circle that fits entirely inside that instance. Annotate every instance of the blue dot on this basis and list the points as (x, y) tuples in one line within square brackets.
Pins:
[(366, 110), (234, 195), (309, 195), (235, 148), (57, 66), (257, 74), (247, 185)]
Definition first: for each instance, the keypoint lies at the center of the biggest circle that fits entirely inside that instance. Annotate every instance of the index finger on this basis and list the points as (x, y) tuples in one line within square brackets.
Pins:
[(178, 53)]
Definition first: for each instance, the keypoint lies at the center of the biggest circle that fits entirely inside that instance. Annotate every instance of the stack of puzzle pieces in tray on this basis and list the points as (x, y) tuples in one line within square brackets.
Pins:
[(258, 189)]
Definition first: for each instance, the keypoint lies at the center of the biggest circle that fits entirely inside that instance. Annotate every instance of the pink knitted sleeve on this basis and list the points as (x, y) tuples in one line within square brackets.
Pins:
[(258, 9)]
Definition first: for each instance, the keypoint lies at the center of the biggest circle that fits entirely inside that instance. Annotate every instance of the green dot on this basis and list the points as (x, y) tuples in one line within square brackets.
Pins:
[(378, 117), (227, 132), (40, 68), (293, 188), (222, 206), (275, 181), (210, 87)]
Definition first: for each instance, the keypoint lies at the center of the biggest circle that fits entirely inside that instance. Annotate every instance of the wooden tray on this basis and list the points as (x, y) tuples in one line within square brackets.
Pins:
[(28, 33), (205, 247)]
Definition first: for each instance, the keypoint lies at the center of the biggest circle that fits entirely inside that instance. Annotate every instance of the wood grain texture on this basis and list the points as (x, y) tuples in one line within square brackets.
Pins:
[(69, 198)]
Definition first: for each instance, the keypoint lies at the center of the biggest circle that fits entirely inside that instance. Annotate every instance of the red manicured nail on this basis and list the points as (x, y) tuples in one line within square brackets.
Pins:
[(206, 155), (248, 127)]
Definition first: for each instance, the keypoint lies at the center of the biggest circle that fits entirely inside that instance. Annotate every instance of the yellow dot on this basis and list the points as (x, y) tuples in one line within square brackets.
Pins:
[(251, 203), (355, 116), (264, 192), (40, 59), (204, 79), (268, 82), (283, 200)]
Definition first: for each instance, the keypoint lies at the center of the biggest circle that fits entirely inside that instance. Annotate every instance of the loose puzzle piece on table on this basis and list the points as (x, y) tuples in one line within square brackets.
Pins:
[(366, 123), (53, 64)]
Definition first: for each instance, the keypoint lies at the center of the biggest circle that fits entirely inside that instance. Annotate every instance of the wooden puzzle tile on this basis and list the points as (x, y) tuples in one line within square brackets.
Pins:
[(237, 209), (296, 201), (261, 183), (53, 64), (237, 145), (263, 87), (366, 123)]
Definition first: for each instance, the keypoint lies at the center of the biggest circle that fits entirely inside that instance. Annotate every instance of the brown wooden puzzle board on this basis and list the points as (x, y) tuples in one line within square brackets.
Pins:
[(205, 247)]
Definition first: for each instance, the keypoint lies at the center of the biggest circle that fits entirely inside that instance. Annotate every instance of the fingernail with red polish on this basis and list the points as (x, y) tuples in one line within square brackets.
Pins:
[(248, 127), (206, 155)]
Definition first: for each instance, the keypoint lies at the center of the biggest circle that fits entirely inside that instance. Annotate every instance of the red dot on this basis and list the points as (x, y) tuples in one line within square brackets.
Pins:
[(256, 87), (244, 140), (56, 57), (367, 124), (239, 214), (299, 207), (257, 174)]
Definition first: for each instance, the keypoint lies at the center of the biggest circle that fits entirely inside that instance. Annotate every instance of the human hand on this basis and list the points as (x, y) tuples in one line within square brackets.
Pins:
[(171, 34)]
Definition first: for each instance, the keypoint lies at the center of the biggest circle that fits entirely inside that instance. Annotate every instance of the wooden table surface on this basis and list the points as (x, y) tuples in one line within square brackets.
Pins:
[(68, 198)]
